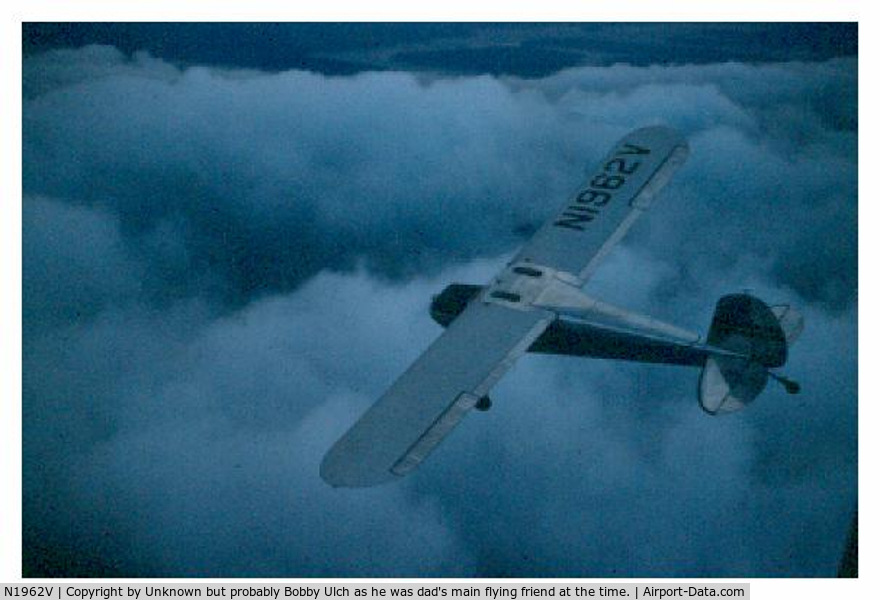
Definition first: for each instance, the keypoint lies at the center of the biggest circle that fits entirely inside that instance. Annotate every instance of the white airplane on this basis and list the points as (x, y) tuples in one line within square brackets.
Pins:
[(536, 305)]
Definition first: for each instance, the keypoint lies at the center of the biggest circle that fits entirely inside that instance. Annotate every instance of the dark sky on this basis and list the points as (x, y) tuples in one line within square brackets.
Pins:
[(521, 49), (227, 259)]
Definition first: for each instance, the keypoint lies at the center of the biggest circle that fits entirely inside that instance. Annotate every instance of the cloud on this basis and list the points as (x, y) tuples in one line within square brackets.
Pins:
[(267, 179), (189, 437), (223, 268), (77, 263)]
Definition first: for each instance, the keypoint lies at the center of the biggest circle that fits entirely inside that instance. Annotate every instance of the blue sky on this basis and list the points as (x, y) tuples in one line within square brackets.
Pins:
[(227, 259)]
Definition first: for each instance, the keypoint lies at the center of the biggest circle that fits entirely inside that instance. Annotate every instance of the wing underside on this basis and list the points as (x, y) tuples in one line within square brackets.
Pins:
[(596, 217), (429, 399)]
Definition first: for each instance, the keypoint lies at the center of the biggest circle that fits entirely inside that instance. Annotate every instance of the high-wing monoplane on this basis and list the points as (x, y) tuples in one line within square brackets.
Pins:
[(536, 305)]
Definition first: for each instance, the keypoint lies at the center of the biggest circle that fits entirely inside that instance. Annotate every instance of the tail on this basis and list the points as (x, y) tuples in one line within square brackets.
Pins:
[(755, 338)]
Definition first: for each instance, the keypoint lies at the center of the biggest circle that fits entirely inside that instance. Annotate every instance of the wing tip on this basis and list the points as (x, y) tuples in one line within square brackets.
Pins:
[(340, 472), (660, 130)]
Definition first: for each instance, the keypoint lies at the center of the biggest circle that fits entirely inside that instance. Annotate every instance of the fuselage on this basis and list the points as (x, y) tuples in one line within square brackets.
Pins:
[(572, 338)]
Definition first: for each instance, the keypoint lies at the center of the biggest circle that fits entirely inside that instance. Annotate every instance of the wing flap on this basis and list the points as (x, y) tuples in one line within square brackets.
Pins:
[(435, 434), (433, 395)]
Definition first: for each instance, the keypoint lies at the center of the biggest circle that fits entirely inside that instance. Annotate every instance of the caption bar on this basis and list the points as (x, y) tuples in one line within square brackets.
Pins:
[(142, 591)]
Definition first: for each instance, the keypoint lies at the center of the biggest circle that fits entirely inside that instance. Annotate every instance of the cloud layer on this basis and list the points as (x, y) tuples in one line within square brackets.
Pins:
[(223, 268)]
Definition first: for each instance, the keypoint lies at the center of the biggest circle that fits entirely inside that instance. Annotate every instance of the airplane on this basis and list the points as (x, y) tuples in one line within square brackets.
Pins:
[(535, 304)]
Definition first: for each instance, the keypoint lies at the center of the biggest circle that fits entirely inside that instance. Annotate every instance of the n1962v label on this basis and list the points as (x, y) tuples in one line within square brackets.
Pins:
[(590, 201)]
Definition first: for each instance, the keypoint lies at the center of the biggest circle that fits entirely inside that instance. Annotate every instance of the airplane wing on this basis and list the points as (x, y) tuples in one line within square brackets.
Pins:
[(431, 397), (596, 217)]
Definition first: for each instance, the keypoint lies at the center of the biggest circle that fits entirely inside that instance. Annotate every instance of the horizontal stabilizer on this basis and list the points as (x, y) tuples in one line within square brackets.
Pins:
[(791, 321), (729, 384)]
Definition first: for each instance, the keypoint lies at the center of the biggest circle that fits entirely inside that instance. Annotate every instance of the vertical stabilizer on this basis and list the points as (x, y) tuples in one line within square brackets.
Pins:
[(760, 337)]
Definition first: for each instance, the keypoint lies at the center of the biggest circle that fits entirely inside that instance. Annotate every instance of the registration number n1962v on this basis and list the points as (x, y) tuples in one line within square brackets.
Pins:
[(588, 203)]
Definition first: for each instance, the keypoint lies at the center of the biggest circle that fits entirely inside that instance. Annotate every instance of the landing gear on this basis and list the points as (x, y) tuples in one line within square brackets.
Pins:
[(483, 404)]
